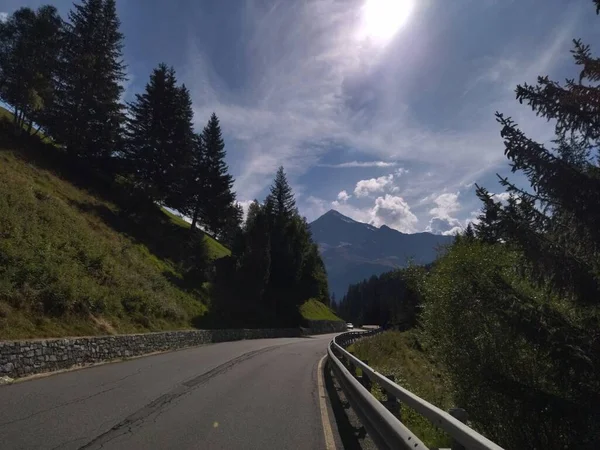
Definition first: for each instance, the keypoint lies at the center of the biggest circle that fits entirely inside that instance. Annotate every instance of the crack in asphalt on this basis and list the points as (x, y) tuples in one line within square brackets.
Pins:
[(161, 404)]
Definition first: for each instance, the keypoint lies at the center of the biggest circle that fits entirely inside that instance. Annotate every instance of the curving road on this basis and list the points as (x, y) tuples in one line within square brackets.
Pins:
[(258, 394)]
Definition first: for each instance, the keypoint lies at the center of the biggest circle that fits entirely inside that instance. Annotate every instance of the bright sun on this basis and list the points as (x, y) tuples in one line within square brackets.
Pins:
[(381, 19)]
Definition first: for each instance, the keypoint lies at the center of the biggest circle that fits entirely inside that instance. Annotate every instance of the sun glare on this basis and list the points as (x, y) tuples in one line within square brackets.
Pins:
[(381, 19)]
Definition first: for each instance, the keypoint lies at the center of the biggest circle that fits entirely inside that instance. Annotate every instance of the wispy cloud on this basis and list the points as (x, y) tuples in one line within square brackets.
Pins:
[(310, 88), (363, 164), (3, 16)]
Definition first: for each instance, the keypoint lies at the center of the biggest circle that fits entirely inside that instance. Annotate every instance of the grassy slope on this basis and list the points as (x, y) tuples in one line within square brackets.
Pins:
[(63, 245), (315, 310), (58, 249), (400, 354), (215, 248)]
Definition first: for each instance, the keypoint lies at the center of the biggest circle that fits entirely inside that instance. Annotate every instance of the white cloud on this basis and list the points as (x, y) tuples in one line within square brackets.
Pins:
[(363, 164), (443, 220), (446, 226), (343, 196), (446, 205), (394, 212), (365, 187), (501, 197), (3, 16)]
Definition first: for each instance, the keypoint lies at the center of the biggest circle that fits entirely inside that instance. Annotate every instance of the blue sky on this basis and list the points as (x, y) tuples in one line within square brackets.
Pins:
[(387, 131)]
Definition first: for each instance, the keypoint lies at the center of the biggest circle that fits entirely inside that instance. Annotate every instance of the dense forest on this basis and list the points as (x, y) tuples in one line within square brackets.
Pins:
[(63, 80), (388, 300)]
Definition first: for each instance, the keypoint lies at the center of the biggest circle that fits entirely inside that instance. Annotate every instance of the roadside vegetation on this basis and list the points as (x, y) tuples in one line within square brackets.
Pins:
[(401, 355)]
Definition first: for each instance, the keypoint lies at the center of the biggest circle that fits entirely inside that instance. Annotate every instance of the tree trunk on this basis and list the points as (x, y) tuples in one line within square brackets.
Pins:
[(21, 120), (37, 130), (29, 126), (195, 217)]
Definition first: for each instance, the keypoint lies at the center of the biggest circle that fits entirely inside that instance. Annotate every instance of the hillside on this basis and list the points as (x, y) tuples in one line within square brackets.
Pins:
[(315, 310), (353, 251), (80, 256), (72, 264), (215, 248)]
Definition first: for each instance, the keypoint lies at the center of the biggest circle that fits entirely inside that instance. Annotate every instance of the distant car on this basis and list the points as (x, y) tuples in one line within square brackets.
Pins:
[(349, 326)]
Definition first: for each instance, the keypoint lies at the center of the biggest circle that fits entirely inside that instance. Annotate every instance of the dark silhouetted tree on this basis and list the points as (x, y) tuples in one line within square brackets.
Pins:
[(233, 224), (275, 262), (218, 197), (87, 114), (160, 139), (29, 48), (280, 201)]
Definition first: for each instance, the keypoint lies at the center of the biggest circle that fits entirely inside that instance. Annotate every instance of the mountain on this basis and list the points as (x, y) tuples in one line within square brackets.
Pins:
[(353, 251)]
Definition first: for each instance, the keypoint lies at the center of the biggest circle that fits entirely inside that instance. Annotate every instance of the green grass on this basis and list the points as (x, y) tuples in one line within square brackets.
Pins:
[(5, 114), (70, 265), (315, 310), (400, 354), (215, 248)]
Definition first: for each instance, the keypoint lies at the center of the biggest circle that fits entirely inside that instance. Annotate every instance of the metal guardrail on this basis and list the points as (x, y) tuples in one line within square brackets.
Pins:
[(386, 430)]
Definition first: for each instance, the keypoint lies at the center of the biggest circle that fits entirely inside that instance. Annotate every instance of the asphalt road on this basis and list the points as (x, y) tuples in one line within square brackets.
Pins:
[(257, 394)]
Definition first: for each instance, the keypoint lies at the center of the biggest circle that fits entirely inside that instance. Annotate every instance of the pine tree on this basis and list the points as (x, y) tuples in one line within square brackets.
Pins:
[(243, 278), (255, 262), (182, 150), (233, 224), (160, 139), (253, 211), (29, 47), (297, 271), (554, 226), (281, 202), (87, 115), (217, 197), (280, 207), (196, 180), (469, 232), (488, 226)]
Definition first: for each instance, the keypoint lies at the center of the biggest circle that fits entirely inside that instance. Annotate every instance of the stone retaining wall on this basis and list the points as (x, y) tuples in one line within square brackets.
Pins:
[(325, 326), (22, 358)]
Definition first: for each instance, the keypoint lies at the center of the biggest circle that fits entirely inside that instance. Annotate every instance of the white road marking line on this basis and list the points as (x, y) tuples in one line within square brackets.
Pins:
[(327, 431)]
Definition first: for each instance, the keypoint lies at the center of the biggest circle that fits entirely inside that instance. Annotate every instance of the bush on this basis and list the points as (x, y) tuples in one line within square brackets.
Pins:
[(505, 344)]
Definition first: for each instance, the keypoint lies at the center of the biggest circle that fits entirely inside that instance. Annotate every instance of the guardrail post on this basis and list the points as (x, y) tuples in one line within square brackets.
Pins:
[(390, 402), (460, 414), (364, 379), (349, 363)]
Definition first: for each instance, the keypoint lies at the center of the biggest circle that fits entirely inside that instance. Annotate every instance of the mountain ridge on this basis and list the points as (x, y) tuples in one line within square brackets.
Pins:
[(353, 251)]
